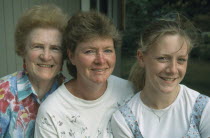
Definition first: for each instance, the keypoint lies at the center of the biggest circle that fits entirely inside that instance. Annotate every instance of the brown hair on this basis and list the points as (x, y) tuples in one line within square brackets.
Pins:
[(84, 26)]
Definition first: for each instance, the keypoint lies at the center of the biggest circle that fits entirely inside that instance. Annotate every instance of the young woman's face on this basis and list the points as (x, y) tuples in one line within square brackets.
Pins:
[(165, 64), (43, 56), (94, 59)]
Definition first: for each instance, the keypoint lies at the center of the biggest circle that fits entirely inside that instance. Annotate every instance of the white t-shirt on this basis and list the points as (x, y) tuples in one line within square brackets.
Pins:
[(173, 122), (63, 115)]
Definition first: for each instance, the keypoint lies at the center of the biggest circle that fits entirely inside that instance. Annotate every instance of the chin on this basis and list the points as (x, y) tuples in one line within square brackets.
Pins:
[(169, 90), (100, 80), (47, 78)]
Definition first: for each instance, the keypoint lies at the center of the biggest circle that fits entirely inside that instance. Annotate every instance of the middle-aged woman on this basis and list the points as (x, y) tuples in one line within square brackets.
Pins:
[(163, 108), (83, 106), (38, 39)]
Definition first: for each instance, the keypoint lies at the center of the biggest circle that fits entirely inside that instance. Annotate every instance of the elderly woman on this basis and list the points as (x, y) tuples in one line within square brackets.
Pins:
[(83, 106), (163, 108), (38, 40)]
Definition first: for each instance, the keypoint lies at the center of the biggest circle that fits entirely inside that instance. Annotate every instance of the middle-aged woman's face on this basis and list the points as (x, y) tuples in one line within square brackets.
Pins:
[(94, 59), (165, 64), (43, 57)]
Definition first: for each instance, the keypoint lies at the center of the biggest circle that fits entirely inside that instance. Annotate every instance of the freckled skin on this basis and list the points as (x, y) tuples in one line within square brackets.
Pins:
[(43, 56), (94, 59)]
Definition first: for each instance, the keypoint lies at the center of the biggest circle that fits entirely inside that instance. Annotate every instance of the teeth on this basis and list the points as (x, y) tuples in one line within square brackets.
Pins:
[(46, 66), (168, 79), (99, 70)]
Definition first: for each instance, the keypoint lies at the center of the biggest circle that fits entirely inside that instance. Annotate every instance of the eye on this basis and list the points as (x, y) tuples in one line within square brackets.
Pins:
[(37, 47), (108, 51), (182, 60), (89, 51), (56, 48), (162, 59)]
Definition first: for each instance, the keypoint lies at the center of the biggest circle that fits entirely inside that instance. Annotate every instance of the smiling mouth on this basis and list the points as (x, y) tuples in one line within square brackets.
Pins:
[(168, 79), (45, 66), (98, 70)]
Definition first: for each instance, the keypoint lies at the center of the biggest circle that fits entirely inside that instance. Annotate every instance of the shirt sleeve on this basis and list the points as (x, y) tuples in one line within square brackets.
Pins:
[(119, 127), (205, 122), (6, 98)]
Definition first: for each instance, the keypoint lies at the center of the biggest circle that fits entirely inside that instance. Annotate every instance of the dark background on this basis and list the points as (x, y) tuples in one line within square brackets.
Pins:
[(139, 13)]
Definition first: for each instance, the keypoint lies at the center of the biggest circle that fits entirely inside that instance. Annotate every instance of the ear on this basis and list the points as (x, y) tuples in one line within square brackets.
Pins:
[(70, 56), (140, 58)]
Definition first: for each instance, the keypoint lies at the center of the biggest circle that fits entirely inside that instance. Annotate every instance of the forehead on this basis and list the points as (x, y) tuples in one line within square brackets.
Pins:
[(45, 34), (171, 44), (97, 42)]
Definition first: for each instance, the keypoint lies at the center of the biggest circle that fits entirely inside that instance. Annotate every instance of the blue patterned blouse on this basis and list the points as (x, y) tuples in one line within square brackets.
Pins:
[(18, 106)]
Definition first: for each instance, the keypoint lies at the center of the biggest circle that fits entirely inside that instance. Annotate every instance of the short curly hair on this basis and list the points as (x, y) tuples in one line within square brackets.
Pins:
[(44, 16), (84, 26)]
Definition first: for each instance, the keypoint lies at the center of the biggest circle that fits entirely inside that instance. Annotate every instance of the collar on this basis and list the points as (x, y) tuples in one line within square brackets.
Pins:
[(25, 89)]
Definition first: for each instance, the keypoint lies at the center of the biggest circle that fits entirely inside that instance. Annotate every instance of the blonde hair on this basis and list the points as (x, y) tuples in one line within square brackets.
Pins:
[(150, 37)]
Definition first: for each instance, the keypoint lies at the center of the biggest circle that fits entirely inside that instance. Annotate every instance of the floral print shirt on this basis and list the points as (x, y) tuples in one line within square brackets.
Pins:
[(18, 106)]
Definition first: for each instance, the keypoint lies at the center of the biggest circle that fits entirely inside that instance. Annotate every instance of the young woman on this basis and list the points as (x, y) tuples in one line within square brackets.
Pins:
[(163, 108)]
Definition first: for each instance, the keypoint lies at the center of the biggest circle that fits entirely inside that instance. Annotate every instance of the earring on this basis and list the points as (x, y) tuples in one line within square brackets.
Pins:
[(24, 67)]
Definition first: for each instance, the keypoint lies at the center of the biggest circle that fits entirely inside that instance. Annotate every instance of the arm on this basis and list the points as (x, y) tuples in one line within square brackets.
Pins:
[(119, 127), (4, 122), (6, 98)]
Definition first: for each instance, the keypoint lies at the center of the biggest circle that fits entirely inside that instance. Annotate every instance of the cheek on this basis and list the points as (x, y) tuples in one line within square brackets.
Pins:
[(153, 67), (31, 57), (183, 70), (112, 59), (83, 61), (59, 59)]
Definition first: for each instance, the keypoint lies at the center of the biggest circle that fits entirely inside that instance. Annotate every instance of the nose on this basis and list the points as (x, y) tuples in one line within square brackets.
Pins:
[(172, 67), (100, 59), (46, 55)]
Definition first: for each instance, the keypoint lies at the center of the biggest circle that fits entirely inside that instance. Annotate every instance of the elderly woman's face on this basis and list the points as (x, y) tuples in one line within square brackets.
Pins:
[(94, 59), (43, 56)]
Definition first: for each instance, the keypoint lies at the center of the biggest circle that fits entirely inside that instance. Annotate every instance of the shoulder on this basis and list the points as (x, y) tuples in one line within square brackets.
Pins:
[(9, 77), (189, 93), (120, 88), (117, 79), (205, 118), (191, 97), (51, 102), (8, 86), (120, 84), (132, 104)]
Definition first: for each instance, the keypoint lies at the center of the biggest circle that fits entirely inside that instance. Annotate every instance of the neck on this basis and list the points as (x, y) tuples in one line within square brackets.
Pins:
[(86, 91), (41, 86), (157, 100)]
